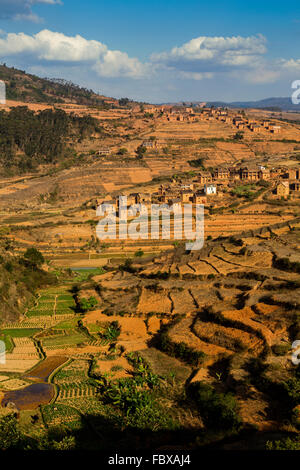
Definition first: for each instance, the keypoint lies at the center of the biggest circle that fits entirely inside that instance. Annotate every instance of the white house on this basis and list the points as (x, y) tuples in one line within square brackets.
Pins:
[(210, 189)]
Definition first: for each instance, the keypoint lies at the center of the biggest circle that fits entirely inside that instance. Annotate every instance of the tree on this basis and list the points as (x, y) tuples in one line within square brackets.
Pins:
[(88, 304), (34, 257), (10, 435), (140, 151), (122, 151), (239, 136), (123, 101)]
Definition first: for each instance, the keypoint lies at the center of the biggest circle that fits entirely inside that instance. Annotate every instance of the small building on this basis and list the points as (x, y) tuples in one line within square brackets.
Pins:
[(234, 173), (255, 128), (205, 177), (221, 173), (199, 198), (293, 174), (237, 120), (103, 152), (186, 195), (274, 129), (295, 187), (264, 174), (275, 172), (249, 173), (176, 203), (210, 189), (144, 198), (186, 186), (150, 144), (283, 189), (132, 199)]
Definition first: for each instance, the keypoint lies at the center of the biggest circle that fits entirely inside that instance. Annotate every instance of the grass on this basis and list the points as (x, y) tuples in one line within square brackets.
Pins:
[(93, 328), (63, 310), (67, 324), (65, 297), (85, 274), (70, 339), (164, 365), (20, 332), (39, 313)]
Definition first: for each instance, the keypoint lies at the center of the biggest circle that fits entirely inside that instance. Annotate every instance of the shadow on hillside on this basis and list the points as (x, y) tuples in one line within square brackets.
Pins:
[(98, 433)]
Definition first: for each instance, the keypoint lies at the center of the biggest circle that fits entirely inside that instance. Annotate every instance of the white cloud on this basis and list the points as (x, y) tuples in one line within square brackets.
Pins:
[(292, 65), (22, 9), (241, 58), (117, 63), (47, 47), (236, 60), (261, 75), (210, 54), (195, 75)]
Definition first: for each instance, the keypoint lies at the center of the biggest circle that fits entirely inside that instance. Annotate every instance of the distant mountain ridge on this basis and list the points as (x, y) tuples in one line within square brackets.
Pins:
[(284, 104), (276, 104)]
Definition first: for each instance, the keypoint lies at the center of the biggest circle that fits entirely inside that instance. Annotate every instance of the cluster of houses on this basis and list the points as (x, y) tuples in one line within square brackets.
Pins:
[(287, 181), (171, 195), (207, 187), (255, 126), (239, 121), (186, 113)]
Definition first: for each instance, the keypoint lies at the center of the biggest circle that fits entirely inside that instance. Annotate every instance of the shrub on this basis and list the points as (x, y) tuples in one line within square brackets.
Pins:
[(87, 304), (218, 410), (280, 349), (139, 253), (292, 389), (112, 331), (284, 444)]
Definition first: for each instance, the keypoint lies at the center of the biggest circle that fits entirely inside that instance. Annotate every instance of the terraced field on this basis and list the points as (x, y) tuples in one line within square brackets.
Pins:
[(53, 302), (223, 317), (24, 356)]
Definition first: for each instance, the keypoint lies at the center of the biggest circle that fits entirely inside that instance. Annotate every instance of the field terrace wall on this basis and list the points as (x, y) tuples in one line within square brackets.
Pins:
[(291, 224)]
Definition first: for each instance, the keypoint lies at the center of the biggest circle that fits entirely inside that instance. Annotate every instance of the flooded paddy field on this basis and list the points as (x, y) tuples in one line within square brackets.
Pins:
[(29, 397), (43, 370)]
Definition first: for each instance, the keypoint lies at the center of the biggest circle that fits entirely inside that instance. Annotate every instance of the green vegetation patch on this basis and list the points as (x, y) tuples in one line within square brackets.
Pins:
[(20, 332), (94, 328), (39, 312), (164, 365), (9, 345), (61, 416), (67, 324), (85, 274), (61, 341)]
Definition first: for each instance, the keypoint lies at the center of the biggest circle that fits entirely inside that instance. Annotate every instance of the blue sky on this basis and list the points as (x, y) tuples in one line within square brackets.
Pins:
[(157, 51)]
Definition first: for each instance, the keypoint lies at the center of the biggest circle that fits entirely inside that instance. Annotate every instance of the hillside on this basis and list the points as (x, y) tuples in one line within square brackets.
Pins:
[(22, 86), (20, 277), (29, 139)]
